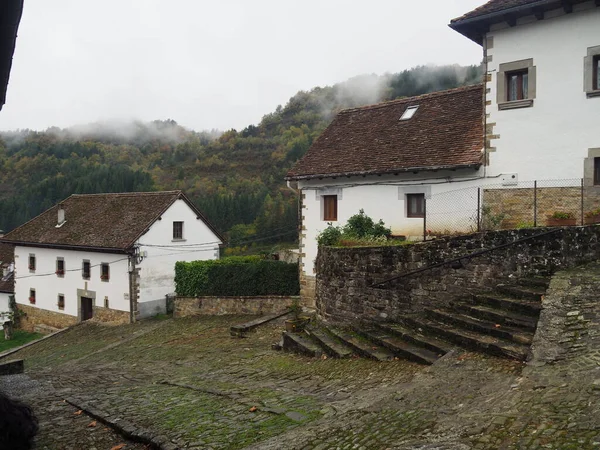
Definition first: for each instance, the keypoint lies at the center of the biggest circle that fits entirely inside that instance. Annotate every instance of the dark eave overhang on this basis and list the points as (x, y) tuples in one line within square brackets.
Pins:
[(475, 28), (473, 166), (81, 248), (10, 17)]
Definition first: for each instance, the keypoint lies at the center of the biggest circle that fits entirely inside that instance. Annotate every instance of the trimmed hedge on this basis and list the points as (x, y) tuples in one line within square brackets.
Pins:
[(236, 276)]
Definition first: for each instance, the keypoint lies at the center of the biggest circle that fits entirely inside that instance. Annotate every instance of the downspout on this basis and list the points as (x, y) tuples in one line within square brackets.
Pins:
[(132, 259)]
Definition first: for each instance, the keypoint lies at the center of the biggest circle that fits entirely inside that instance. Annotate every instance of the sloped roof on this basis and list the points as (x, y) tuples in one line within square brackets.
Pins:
[(7, 257), (475, 24), (10, 17), (445, 132), (99, 221)]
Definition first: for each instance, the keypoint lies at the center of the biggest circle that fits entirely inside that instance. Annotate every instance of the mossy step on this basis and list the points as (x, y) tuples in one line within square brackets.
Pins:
[(531, 308), (500, 316), (331, 345), (417, 338), (469, 339), (532, 293), (399, 346), (362, 346), (301, 343), (239, 330), (481, 326)]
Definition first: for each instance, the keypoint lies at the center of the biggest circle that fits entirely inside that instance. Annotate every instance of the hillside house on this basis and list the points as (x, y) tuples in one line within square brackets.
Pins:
[(7, 281), (532, 119), (108, 256)]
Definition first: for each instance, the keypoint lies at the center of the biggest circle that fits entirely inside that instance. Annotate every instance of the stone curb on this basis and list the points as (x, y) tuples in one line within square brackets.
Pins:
[(124, 428), (37, 341)]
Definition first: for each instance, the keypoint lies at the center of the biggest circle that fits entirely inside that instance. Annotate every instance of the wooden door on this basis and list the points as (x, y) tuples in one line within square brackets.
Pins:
[(87, 308)]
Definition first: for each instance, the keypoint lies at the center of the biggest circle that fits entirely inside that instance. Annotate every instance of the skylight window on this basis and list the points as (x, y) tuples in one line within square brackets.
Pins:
[(409, 113)]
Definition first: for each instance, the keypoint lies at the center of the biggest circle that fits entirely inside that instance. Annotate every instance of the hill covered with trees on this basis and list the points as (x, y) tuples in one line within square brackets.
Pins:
[(235, 177)]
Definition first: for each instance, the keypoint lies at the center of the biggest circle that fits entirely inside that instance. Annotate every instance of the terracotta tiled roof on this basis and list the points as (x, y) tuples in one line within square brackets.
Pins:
[(446, 131), (494, 6), (7, 257), (99, 221)]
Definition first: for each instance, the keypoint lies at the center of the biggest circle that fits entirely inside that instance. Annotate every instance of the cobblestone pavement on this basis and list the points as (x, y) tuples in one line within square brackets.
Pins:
[(187, 379)]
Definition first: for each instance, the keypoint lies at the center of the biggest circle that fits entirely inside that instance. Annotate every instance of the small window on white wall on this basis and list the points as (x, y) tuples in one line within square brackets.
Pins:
[(177, 230), (415, 205), (330, 208)]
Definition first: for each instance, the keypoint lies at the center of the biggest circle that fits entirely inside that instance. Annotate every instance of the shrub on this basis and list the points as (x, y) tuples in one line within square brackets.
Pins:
[(562, 215), (360, 230), (236, 276)]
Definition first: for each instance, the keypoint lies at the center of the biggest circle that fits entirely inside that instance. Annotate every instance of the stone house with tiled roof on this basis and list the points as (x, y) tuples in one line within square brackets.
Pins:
[(106, 256), (7, 281), (534, 118)]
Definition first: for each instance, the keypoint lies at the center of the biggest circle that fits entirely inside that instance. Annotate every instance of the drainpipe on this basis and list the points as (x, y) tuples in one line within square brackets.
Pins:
[(132, 258)]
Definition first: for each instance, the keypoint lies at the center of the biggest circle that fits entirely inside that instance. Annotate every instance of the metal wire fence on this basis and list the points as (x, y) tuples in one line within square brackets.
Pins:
[(529, 204)]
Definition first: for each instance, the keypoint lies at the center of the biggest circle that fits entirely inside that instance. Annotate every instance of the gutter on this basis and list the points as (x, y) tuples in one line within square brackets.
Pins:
[(502, 13), (379, 172), (122, 251)]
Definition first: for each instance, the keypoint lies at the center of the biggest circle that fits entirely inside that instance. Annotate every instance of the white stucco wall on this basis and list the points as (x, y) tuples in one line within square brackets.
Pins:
[(3, 304), (449, 204), (158, 267), (48, 285), (551, 139)]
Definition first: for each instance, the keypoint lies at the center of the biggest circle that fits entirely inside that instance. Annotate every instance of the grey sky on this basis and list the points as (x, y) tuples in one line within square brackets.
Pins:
[(212, 64)]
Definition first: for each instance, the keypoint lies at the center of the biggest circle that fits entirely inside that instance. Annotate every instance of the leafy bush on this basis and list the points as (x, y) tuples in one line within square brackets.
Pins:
[(236, 276), (360, 230)]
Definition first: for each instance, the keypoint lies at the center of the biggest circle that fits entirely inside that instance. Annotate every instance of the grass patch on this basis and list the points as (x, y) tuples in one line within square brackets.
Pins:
[(19, 338)]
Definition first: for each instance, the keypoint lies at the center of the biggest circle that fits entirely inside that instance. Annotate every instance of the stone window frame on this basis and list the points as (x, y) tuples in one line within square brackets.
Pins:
[(589, 167), (60, 272), (103, 277), (329, 192), (61, 307), (502, 84), (83, 274), (589, 71)]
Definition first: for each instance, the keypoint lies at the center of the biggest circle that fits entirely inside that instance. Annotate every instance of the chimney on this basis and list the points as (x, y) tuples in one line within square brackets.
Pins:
[(61, 216)]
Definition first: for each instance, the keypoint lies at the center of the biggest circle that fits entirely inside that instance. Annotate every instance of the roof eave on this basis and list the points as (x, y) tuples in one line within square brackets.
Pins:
[(384, 172), (69, 247), (475, 28)]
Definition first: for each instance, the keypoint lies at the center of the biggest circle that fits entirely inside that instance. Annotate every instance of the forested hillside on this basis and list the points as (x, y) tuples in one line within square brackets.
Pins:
[(235, 177)]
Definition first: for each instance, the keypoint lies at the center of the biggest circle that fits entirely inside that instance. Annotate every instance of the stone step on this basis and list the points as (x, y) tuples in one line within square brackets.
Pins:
[(331, 345), (469, 339), (301, 343), (535, 281), (480, 326), (362, 346), (498, 301), (241, 329), (415, 337), (399, 347), (532, 293), (503, 317)]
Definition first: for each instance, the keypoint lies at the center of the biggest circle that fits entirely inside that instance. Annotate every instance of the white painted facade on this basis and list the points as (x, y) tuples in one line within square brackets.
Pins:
[(156, 275), (4, 298), (550, 139)]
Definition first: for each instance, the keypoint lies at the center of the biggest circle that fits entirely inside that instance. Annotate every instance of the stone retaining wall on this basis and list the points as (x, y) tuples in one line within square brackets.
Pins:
[(35, 316), (345, 275), (220, 306), (111, 315)]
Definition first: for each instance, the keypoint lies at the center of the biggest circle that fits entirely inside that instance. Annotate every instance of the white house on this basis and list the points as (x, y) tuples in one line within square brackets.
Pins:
[(534, 118), (109, 256), (6, 278)]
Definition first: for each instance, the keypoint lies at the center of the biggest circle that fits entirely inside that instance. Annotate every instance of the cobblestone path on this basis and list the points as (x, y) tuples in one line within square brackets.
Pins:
[(189, 380)]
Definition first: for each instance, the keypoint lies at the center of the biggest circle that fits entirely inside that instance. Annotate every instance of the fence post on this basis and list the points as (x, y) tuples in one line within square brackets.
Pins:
[(424, 218), (478, 209), (535, 203), (582, 205)]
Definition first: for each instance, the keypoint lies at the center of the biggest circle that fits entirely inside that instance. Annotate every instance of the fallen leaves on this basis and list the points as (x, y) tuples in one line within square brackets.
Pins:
[(78, 413), (253, 409), (118, 447), (92, 424)]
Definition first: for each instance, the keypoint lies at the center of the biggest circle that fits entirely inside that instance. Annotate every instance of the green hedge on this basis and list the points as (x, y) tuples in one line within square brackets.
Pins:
[(236, 276)]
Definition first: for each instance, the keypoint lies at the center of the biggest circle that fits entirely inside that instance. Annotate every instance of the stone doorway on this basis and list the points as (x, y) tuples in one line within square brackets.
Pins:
[(87, 308)]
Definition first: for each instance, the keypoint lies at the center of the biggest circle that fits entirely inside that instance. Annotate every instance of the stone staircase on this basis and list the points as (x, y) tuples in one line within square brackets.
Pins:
[(500, 323)]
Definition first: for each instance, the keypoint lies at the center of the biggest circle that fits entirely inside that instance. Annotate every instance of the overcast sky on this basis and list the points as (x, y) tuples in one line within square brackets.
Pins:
[(212, 64)]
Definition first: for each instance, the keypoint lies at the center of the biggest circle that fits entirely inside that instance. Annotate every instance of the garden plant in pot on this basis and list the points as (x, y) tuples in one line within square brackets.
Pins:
[(298, 321), (592, 216), (562, 219)]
